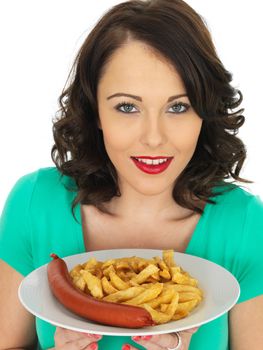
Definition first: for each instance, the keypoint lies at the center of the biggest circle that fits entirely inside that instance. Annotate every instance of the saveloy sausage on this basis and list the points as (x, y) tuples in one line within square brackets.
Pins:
[(89, 307)]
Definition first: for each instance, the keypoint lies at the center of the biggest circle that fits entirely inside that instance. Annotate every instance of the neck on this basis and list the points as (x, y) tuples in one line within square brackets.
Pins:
[(142, 208)]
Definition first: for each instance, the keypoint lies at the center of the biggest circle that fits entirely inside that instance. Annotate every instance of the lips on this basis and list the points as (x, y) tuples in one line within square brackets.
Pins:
[(149, 157), (152, 168)]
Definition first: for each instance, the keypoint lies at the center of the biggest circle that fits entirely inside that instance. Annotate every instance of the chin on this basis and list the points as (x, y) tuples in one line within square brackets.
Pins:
[(149, 189)]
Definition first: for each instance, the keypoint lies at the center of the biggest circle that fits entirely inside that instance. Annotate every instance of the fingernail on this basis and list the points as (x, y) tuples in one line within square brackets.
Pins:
[(94, 346), (136, 338), (97, 336), (126, 347), (146, 337), (193, 330)]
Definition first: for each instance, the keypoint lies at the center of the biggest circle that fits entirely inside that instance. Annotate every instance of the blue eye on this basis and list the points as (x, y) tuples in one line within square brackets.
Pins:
[(129, 106), (126, 110), (185, 106)]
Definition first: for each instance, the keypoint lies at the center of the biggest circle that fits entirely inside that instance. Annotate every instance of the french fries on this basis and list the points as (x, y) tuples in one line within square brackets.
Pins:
[(158, 285)]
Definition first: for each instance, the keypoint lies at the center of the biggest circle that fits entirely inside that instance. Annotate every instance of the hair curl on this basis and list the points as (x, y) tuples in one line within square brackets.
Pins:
[(174, 30)]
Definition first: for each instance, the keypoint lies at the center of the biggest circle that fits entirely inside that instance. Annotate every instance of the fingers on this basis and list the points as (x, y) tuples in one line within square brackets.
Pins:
[(70, 335), (152, 347), (191, 330), (63, 334), (169, 340), (81, 344), (128, 347), (158, 341), (187, 334), (66, 339)]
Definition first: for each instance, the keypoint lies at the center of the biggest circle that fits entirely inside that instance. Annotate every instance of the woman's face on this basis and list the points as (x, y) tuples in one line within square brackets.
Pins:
[(147, 125)]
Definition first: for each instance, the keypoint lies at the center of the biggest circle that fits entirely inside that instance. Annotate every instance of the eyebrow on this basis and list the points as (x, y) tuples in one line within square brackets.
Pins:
[(118, 94)]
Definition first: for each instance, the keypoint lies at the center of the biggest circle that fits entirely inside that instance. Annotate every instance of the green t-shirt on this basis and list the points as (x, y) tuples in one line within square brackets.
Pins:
[(37, 220)]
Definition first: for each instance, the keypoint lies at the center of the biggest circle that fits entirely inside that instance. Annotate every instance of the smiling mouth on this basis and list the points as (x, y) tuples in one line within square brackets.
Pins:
[(152, 166), (152, 160)]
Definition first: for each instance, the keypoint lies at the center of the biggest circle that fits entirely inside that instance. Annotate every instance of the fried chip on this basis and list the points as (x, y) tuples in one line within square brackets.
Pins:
[(159, 285)]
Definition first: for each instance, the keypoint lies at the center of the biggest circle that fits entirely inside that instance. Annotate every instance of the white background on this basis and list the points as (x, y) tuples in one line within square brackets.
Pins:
[(39, 40)]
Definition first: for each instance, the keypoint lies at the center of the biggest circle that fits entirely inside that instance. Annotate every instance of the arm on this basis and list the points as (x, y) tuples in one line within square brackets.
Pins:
[(17, 329), (246, 324)]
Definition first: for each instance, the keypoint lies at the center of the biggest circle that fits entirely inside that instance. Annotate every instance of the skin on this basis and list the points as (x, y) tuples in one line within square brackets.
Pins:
[(150, 132), (245, 322), (152, 128), (66, 339), (155, 130)]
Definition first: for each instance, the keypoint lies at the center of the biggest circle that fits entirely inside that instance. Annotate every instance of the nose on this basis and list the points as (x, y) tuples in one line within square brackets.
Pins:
[(152, 131)]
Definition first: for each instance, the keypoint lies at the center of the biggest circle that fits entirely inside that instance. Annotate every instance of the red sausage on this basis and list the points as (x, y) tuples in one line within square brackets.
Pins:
[(101, 311)]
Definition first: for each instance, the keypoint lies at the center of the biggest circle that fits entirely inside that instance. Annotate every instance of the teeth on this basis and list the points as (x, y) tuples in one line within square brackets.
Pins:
[(152, 161)]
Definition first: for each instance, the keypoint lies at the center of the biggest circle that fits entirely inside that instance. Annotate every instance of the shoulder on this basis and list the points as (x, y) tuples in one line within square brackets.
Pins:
[(46, 178), (235, 209), (238, 197), (44, 185)]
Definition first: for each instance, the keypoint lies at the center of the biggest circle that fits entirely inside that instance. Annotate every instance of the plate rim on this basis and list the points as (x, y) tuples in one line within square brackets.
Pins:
[(130, 331)]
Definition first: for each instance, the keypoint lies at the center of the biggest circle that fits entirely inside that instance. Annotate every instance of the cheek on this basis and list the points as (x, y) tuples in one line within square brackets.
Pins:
[(186, 136), (116, 138)]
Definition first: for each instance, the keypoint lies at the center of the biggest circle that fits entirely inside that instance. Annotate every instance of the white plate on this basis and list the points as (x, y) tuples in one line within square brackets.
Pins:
[(221, 292)]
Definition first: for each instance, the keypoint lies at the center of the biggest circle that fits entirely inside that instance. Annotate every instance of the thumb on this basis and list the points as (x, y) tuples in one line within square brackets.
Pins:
[(191, 330)]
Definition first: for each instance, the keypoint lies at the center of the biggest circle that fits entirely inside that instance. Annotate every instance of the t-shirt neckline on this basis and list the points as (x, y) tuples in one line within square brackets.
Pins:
[(189, 248)]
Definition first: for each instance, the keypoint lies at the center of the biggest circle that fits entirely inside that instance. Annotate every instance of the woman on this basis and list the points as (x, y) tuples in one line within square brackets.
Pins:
[(148, 88)]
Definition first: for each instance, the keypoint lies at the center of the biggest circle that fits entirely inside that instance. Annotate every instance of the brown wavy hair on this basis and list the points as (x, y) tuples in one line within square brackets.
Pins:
[(176, 31)]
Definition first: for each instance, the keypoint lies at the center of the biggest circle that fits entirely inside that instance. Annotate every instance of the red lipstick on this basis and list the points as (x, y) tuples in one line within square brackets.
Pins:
[(152, 168), (149, 157)]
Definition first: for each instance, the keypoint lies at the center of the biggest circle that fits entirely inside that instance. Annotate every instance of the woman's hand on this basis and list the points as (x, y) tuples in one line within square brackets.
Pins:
[(163, 341), (66, 339)]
